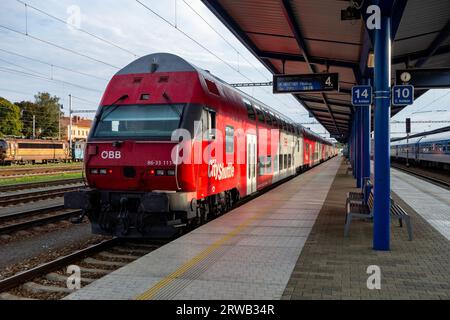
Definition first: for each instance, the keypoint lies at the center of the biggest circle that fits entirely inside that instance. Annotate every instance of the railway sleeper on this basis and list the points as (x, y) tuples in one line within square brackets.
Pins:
[(56, 277), (40, 288)]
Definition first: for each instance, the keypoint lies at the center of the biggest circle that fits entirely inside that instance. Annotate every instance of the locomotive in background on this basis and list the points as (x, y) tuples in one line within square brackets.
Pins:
[(137, 185), (21, 151), (31, 151)]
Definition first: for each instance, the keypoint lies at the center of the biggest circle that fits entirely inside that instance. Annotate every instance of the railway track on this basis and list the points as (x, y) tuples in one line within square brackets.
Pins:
[(12, 199), (32, 218), (14, 172), (49, 280), (423, 175), (34, 185)]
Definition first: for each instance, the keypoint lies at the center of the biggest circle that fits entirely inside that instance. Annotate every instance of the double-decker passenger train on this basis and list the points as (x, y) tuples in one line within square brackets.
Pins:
[(23, 151), (172, 145), (430, 149)]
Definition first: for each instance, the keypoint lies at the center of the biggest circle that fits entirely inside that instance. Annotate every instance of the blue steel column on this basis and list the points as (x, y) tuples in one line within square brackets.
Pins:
[(382, 183), (353, 146), (366, 144), (359, 148)]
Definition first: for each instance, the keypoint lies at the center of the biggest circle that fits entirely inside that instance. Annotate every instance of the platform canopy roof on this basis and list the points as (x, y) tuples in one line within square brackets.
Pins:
[(308, 36)]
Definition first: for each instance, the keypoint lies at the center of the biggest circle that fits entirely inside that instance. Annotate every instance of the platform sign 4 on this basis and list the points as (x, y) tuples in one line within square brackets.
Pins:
[(361, 95), (402, 95)]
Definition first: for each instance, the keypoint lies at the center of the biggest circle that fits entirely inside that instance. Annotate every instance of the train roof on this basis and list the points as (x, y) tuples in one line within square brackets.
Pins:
[(426, 133), (422, 138), (167, 62)]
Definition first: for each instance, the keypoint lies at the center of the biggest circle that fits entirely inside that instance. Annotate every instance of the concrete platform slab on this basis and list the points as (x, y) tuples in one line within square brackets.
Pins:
[(248, 253)]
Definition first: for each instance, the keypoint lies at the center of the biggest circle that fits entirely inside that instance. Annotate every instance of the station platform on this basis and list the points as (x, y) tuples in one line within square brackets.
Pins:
[(248, 253), (289, 244), (334, 267)]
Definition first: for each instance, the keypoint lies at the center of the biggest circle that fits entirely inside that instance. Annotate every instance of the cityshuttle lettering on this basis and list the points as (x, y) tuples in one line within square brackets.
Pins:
[(219, 171)]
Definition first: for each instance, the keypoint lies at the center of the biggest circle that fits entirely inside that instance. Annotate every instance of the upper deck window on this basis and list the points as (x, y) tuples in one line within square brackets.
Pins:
[(250, 110), (138, 121)]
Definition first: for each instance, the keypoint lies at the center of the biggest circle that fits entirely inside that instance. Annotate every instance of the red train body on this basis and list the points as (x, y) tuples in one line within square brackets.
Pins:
[(172, 145)]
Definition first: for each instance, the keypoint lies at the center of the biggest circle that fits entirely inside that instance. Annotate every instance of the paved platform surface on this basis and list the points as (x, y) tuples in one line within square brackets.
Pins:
[(249, 253), (430, 201), (333, 267)]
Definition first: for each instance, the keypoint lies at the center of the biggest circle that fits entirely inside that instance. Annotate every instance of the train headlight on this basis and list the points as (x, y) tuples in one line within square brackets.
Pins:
[(102, 171), (170, 172), (94, 171), (159, 172)]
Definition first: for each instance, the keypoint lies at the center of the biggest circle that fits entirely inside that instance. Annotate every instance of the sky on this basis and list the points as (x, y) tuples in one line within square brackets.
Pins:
[(128, 30)]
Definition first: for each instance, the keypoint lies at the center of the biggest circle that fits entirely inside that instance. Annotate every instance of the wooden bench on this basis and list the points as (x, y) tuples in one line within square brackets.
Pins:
[(397, 212), (359, 197), (360, 210), (357, 210)]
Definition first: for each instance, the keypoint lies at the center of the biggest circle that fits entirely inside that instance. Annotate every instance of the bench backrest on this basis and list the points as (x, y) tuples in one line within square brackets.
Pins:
[(370, 201)]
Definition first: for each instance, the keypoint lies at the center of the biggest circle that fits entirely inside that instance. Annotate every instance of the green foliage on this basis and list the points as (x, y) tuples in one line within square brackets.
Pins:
[(10, 123), (46, 110), (27, 109)]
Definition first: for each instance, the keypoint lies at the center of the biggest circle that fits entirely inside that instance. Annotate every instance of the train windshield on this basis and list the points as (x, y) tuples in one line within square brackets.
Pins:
[(3, 144), (158, 121)]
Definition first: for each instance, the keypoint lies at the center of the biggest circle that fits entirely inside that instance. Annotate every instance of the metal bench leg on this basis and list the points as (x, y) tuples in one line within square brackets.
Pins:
[(347, 224), (409, 227)]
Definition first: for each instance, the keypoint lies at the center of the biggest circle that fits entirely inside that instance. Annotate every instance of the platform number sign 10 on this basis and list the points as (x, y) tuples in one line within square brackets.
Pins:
[(361, 95), (402, 95)]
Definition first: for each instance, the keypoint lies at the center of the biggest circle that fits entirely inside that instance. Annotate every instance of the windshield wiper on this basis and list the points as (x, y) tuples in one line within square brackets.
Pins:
[(113, 107), (173, 106)]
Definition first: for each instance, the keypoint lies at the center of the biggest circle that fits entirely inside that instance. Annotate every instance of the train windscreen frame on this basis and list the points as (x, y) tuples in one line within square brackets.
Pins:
[(139, 121)]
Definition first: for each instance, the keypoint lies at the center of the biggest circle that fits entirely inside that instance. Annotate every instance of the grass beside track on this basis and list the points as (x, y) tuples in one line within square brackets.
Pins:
[(39, 165), (31, 179)]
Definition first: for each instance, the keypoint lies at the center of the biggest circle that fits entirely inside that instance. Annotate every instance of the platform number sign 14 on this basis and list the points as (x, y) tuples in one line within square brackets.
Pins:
[(402, 95), (361, 95)]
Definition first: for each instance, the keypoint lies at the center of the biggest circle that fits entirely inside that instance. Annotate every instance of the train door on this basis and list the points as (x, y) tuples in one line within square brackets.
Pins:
[(251, 163)]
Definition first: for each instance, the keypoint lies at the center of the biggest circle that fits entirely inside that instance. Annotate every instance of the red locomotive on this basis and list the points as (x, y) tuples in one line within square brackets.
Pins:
[(172, 146)]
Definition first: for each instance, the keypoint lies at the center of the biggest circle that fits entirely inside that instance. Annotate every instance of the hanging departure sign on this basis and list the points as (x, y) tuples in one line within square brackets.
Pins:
[(298, 83)]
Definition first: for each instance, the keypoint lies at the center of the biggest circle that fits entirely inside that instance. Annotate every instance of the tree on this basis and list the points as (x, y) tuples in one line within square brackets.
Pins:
[(47, 114), (27, 110), (10, 123)]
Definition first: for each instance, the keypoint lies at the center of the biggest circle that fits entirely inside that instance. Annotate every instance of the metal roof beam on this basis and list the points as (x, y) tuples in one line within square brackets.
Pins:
[(440, 38), (295, 28), (331, 102), (396, 16), (419, 55), (215, 7), (324, 110), (312, 60)]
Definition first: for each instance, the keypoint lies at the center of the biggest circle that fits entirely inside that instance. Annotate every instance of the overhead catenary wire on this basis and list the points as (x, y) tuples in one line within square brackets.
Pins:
[(201, 45), (59, 47), (13, 71), (53, 65), (77, 28)]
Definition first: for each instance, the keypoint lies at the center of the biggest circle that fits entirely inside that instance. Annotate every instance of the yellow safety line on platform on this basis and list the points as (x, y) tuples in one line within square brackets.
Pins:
[(150, 293)]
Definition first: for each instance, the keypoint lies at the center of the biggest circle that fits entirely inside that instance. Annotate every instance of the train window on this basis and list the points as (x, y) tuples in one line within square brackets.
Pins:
[(268, 119), (285, 158), (260, 115), (269, 164), (139, 121), (24, 145), (281, 161), (289, 160), (209, 123), (250, 111), (229, 139)]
